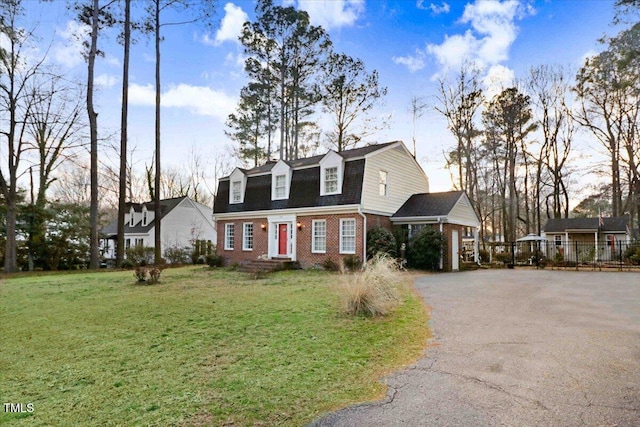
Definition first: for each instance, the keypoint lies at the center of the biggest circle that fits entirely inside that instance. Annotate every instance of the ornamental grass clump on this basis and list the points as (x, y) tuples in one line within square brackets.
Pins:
[(373, 290)]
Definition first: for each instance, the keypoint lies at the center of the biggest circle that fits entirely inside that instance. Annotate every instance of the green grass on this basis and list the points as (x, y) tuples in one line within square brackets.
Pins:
[(203, 347)]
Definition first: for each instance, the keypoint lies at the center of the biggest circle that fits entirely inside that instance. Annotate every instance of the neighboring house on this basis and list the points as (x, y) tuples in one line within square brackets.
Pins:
[(599, 238), (183, 220), (315, 209)]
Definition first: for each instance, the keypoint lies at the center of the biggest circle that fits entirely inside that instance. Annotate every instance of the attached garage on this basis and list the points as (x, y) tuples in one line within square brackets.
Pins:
[(451, 212)]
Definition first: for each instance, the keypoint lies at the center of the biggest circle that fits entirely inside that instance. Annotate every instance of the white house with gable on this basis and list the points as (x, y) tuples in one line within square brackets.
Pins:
[(183, 222)]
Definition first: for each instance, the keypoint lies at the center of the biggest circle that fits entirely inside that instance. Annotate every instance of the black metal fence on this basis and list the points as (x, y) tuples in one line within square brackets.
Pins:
[(564, 254)]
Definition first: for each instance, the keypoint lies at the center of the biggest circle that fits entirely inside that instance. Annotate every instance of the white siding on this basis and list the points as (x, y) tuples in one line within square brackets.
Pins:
[(184, 224), (404, 178), (463, 213)]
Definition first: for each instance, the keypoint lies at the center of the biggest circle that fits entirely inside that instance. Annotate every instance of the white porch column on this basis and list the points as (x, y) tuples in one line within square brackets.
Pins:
[(476, 247), (595, 247)]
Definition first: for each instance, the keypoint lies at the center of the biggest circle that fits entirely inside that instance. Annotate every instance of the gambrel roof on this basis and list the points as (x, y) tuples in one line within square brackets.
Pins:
[(305, 184)]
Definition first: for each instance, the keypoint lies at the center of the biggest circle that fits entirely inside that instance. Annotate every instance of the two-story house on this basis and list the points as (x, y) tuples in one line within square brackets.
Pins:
[(318, 208), (183, 221)]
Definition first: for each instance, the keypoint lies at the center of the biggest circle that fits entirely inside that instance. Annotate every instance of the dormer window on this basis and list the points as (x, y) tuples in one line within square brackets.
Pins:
[(236, 191), (331, 180), (131, 217), (331, 173), (145, 218), (280, 186), (238, 182), (280, 181)]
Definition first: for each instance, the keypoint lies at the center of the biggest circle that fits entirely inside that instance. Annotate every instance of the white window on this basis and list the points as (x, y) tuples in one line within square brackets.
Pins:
[(347, 236), (382, 183), (229, 236), (280, 187), (247, 236), (144, 216), (139, 243), (319, 233), (558, 240), (127, 243), (131, 217), (236, 192), (331, 180)]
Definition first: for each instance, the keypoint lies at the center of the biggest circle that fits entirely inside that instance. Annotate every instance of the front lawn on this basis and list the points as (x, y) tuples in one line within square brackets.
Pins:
[(203, 347)]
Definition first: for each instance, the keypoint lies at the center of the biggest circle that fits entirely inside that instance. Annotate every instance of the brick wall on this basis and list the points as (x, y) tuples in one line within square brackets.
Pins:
[(304, 254), (237, 254)]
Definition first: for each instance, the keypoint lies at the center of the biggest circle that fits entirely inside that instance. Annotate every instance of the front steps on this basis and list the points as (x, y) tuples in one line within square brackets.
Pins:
[(268, 265)]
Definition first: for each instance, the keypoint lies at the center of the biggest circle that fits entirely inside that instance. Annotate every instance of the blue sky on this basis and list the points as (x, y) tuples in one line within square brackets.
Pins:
[(411, 43)]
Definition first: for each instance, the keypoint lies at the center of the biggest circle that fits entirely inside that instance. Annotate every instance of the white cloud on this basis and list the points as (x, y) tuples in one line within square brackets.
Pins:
[(486, 43), (69, 52), (434, 8), (497, 78), (454, 50), (413, 63), (106, 80), (332, 13), (230, 27), (201, 100)]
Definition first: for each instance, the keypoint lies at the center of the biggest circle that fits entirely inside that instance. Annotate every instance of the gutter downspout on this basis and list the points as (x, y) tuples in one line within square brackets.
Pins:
[(364, 235), (441, 250)]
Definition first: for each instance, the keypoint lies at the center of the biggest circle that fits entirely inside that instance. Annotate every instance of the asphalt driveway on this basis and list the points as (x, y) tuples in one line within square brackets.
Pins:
[(519, 348)]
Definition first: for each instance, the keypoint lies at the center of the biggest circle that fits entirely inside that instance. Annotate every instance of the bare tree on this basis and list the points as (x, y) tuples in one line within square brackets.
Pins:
[(549, 88), (349, 93), (418, 108), (459, 103), (16, 74)]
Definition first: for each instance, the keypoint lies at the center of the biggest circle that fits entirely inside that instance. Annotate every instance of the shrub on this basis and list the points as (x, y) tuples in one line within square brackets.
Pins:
[(140, 255), (504, 257), (140, 273), (352, 263), (484, 255), (215, 260), (372, 291), (126, 263), (330, 265), (149, 275), (425, 249), (177, 255), (380, 240), (632, 254)]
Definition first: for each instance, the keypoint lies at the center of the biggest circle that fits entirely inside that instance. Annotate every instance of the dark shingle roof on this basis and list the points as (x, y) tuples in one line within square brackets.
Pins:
[(560, 225), (428, 204), (315, 160), (166, 206), (304, 192)]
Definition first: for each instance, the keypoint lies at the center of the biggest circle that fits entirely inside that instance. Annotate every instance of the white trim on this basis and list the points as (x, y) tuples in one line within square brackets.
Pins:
[(355, 235), (228, 226), (386, 183), (329, 161), (237, 176), (313, 236), (244, 236), (292, 212), (272, 239)]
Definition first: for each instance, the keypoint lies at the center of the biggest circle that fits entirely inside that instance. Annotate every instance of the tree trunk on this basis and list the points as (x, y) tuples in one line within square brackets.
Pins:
[(156, 204), (122, 179), (94, 261)]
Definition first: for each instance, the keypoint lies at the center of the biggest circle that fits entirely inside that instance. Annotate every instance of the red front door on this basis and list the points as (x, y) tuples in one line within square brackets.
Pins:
[(283, 234)]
